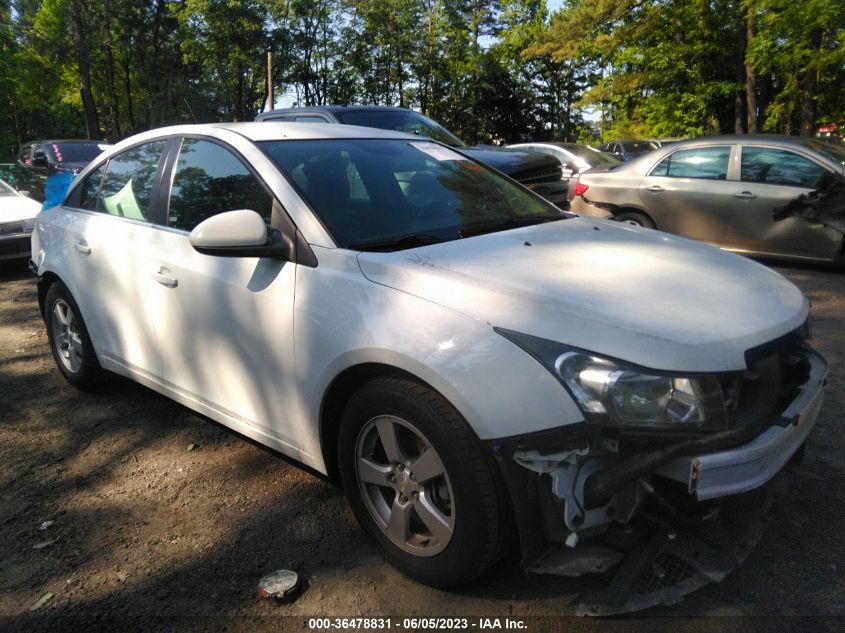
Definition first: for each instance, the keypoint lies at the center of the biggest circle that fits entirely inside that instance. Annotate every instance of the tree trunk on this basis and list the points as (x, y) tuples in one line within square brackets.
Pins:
[(750, 73), (739, 97), (83, 58), (809, 81)]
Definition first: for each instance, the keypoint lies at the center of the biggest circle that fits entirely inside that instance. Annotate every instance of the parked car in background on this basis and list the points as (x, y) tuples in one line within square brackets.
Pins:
[(723, 190), (17, 219), (38, 160), (628, 150), (537, 172), (574, 157), (479, 370)]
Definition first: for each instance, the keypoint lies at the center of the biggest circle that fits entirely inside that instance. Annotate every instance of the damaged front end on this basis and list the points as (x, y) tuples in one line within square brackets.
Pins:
[(647, 484)]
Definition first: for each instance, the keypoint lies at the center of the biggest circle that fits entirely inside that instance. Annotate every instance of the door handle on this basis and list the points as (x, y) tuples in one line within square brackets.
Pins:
[(745, 195), (82, 247), (655, 188), (165, 279)]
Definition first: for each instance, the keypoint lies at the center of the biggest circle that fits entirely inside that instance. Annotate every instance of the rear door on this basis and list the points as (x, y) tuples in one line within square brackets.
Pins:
[(108, 225), (689, 192), (225, 324), (769, 178)]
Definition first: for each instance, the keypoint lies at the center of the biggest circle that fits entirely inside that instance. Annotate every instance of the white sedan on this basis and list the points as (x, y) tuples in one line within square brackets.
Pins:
[(467, 360), (17, 219)]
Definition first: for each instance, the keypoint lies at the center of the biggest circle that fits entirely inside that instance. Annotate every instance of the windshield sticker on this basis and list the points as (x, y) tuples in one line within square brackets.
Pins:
[(437, 152)]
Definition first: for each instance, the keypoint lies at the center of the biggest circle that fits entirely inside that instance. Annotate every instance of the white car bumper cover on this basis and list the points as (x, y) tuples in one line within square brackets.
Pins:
[(751, 465)]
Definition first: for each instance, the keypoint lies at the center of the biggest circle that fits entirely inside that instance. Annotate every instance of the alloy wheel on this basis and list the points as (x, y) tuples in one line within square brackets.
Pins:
[(66, 336), (404, 485)]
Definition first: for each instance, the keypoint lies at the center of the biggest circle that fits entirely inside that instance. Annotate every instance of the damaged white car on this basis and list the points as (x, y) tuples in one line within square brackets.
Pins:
[(479, 370)]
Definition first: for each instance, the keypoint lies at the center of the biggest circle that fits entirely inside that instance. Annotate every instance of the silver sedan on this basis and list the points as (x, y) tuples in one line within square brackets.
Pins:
[(723, 190)]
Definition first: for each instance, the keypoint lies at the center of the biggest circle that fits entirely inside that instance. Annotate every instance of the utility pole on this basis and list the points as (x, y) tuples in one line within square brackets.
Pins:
[(270, 100)]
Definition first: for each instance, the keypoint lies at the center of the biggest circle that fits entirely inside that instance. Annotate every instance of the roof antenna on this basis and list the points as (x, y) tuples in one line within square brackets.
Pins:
[(189, 109)]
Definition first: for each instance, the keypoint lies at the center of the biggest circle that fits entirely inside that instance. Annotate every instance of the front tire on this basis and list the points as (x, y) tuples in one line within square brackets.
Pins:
[(420, 483), (69, 339)]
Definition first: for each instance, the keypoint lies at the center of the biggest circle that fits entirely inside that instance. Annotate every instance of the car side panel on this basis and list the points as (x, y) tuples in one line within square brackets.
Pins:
[(341, 319)]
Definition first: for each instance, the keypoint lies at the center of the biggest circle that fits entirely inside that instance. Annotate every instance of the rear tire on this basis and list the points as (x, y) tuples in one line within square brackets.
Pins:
[(636, 218), (69, 339), (421, 484)]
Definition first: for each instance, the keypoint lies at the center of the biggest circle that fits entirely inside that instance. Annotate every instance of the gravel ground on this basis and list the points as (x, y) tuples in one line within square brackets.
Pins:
[(104, 506)]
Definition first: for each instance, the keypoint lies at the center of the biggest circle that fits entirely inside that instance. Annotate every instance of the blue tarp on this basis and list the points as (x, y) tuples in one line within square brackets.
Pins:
[(57, 186)]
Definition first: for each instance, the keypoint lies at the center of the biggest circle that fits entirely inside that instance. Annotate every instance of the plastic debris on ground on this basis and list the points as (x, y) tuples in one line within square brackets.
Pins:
[(281, 585)]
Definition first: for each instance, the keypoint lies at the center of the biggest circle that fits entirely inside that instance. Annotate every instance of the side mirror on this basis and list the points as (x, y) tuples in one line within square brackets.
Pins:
[(39, 161), (241, 233)]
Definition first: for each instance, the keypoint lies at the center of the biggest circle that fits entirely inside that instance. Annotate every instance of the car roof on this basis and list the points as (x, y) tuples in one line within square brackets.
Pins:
[(332, 109), (774, 139), (66, 140), (257, 131)]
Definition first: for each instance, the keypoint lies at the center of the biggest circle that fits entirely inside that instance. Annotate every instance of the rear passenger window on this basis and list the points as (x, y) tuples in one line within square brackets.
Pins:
[(210, 179), (128, 184), (708, 163), (779, 167)]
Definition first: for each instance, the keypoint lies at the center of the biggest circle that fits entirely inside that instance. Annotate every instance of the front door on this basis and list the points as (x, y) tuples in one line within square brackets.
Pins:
[(225, 324)]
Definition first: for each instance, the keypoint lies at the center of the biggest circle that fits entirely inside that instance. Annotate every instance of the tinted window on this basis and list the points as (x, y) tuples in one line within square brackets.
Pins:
[(90, 188), (210, 179), (75, 152), (310, 119), (779, 167), (710, 163), (367, 190), (128, 183)]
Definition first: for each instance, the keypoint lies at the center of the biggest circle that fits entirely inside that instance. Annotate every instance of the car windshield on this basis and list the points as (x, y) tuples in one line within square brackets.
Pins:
[(596, 158), (832, 151), (639, 147), (6, 189), (389, 194), (76, 152), (400, 121)]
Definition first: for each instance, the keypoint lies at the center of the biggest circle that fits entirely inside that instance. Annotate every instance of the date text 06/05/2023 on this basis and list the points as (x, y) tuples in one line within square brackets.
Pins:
[(416, 624)]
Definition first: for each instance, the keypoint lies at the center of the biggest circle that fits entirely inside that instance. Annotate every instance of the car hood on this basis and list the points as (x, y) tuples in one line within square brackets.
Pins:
[(14, 208), (634, 294), (513, 162)]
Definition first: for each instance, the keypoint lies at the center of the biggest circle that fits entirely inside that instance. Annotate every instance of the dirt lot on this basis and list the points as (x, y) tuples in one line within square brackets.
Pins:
[(142, 527)]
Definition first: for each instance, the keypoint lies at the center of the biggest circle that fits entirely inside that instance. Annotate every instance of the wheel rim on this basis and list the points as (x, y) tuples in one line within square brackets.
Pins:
[(405, 486), (66, 337)]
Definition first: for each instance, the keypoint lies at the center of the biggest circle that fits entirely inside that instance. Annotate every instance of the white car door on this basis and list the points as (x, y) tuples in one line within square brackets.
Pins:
[(108, 227), (225, 324)]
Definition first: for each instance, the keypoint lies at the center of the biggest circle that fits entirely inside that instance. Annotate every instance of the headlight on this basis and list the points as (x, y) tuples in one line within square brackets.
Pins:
[(613, 393)]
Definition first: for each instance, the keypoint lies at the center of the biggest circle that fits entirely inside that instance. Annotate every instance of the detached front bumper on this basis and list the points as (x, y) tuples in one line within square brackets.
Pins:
[(747, 467)]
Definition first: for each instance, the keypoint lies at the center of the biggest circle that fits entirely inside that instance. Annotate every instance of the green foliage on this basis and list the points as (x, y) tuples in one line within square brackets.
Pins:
[(487, 69)]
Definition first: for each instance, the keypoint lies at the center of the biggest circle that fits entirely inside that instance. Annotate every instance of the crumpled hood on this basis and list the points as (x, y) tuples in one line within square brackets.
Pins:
[(639, 295)]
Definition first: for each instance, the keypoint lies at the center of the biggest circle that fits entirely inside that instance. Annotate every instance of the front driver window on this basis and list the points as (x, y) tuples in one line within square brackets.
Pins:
[(128, 184), (209, 180), (778, 167), (708, 163)]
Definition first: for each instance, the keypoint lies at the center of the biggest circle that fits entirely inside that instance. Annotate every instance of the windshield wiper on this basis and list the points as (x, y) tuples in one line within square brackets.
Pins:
[(509, 223), (397, 243)]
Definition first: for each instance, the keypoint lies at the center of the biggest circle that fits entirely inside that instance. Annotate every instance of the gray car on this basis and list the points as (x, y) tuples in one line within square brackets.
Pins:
[(723, 190)]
